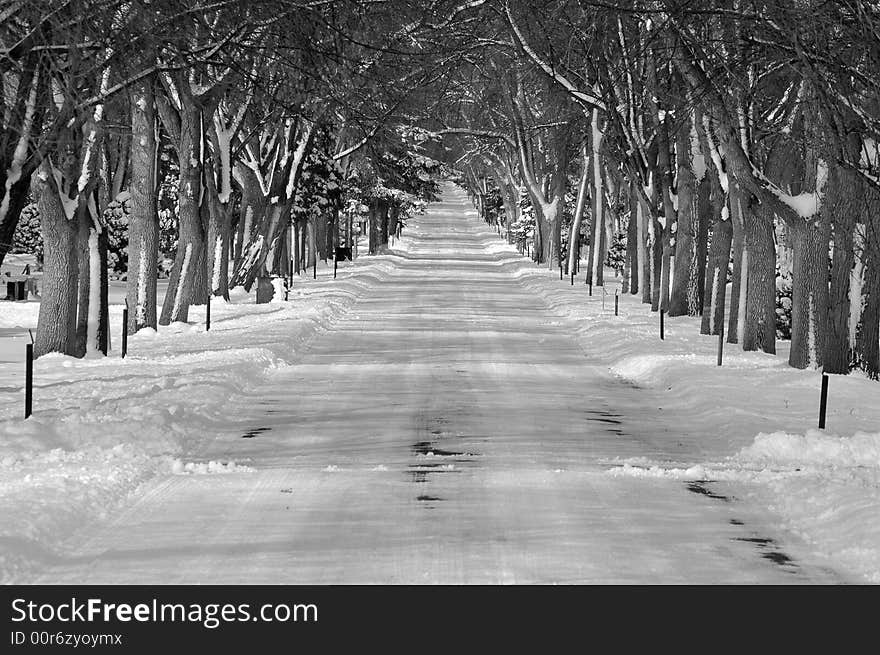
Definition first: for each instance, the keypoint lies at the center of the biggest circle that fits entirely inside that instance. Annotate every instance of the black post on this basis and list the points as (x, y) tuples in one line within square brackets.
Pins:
[(334, 265), (572, 275), (616, 302), (590, 283), (315, 267), (823, 401), (662, 313), (28, 379), (720, 343), (125, 331), (208, 313)]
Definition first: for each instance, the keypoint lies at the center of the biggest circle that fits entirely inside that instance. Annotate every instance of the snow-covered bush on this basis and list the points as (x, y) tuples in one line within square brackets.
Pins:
[(615, 256), (116, 222), (27, 237), (783, 304)]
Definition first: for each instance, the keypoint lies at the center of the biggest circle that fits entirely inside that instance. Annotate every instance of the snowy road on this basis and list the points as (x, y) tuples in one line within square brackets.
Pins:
[(448, 428)]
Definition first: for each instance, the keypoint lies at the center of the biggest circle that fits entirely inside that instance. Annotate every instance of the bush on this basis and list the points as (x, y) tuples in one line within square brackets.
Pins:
[(27, 238), (615, 257), (783, 304)]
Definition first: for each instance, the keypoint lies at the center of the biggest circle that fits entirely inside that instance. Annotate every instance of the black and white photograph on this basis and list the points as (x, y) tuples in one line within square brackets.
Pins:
[(438, 293)]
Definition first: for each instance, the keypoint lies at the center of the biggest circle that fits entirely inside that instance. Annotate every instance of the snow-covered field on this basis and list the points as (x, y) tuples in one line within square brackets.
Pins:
[(329, 495)]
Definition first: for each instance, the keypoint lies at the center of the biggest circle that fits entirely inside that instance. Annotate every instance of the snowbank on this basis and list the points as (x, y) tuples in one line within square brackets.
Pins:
[(815, 448)]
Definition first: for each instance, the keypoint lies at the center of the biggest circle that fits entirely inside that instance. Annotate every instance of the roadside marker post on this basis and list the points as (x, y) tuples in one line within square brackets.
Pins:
[(125, 330), (662, 335), (823, 401), (29, 379)]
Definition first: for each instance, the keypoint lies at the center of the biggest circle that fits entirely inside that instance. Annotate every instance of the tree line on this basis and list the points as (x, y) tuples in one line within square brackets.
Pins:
[(730, 145), (268, 130), (724, 152)]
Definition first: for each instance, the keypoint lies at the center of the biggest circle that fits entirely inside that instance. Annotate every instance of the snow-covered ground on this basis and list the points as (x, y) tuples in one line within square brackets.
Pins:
[(755, 417), (103, 426), (446, 413)]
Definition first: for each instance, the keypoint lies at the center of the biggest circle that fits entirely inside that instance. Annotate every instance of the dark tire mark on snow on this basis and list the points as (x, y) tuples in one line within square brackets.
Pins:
[(768, 549), (253, 433), (699, 487), (428, 449)]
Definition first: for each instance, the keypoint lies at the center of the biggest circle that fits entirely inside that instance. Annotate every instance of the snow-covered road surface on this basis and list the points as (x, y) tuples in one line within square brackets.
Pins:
[(447, 429)]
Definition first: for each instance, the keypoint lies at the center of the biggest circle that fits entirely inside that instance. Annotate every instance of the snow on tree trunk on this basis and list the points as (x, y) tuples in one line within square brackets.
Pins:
[(181, 306)]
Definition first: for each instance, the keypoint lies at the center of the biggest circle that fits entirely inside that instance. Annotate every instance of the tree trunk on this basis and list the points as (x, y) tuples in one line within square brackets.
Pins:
[(809, 293), (841, 205), (632, 250), (737, 207), (684, 298), (217, 249), (704, 217), (868, 335), (759, 328), (375, 219), (384, 207), (83, 237), (715, 293), (191, 233), (253, 207), (201, 280), (656, 264), (575, 231), (56, 325), (646, 252), (143, 218), (597, 251)]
